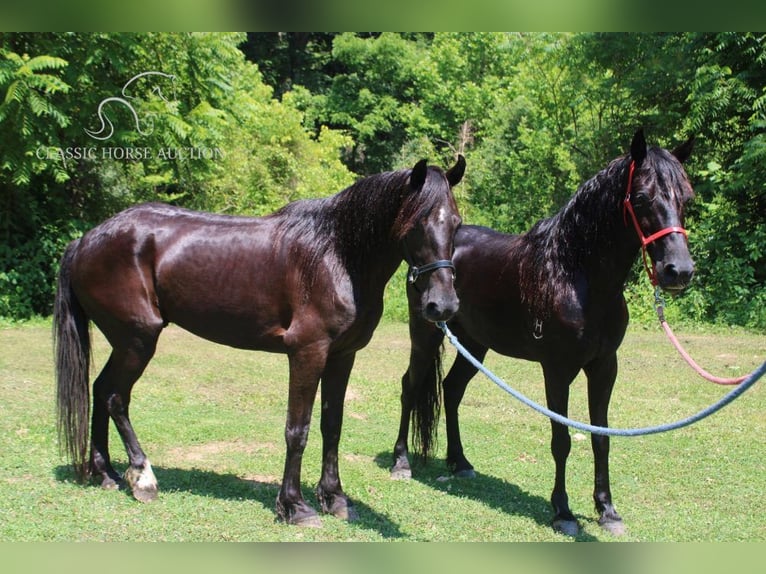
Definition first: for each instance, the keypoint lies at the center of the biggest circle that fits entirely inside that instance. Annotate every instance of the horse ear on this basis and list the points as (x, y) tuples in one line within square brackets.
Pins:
[(418, 175), (455, 173), (683, 151), (638, 147)]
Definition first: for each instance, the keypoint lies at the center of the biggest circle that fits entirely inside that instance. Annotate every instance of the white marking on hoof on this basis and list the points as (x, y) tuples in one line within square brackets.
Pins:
[(398, 473), (614, 527), (566, 527), (142, 482)]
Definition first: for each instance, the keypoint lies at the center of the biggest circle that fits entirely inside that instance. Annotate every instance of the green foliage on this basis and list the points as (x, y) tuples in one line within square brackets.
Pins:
[(293, 115), (25, 280)]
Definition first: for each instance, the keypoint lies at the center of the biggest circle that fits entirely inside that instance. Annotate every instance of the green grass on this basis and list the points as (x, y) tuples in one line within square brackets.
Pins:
[(211, 420)]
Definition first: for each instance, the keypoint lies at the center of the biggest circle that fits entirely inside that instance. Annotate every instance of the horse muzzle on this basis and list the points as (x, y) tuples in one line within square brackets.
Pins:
[(674, 277), (440, 310)]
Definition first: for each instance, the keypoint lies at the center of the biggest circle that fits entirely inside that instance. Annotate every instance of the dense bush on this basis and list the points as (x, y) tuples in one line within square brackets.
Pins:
[(298, 114)]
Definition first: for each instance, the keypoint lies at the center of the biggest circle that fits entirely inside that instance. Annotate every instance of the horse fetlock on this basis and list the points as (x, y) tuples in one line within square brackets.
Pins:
[(142, 482)]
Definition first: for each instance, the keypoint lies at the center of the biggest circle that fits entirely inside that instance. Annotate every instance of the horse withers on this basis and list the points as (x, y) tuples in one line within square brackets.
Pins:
[(554, 295), (306, 281)]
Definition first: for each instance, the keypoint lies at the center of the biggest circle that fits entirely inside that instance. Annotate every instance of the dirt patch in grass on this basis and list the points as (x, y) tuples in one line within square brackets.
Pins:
[(212, 451)]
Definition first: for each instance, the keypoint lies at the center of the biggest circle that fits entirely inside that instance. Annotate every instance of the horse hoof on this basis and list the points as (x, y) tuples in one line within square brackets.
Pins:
[(145, 494), (310, 521), (347, 513), (566, 527), (297, 514), (467, 473), (613, 527), (338, 506), (111, 484), (142, 482), (401, 473)]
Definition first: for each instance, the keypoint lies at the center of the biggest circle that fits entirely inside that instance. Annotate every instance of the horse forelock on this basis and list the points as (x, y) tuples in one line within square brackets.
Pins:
[(665, 175), (418, 204)]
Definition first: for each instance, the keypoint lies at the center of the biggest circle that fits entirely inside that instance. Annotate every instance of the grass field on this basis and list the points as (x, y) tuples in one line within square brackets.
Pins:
[(211, 420)]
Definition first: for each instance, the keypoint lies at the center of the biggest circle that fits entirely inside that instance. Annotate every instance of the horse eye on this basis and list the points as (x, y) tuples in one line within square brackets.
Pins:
[(640, 200)]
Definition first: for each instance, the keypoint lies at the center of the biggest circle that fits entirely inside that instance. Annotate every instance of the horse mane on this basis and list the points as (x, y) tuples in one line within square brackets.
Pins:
[(388, 206), (555, 249)]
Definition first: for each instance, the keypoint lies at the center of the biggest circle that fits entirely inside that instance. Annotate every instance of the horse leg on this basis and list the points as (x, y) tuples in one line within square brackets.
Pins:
[(100, 461), (401, 468), (329, 491), (557, 381), (601, 377), (111, 398), (455, 383), (424, 369), (306, 366)]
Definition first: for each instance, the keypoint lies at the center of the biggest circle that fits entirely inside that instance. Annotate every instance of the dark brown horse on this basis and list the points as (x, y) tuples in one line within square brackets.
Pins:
[(306, 281), (554, 295)]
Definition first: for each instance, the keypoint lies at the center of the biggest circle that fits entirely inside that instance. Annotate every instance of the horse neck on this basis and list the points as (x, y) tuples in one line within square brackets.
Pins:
[(591, 234), (364, 231)]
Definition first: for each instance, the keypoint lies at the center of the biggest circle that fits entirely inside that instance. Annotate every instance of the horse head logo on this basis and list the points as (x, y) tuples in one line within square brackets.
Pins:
[(107, 128)]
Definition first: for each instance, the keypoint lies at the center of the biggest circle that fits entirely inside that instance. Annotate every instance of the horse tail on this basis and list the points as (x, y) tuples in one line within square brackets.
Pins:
[(427, 407), (71, 340)]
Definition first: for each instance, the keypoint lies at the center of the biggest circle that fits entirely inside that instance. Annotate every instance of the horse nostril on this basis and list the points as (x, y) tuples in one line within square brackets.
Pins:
[(435, 312), (680, 276), (670, 271)]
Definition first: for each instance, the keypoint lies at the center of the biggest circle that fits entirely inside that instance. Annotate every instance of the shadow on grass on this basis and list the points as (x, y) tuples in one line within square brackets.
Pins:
[(226, 486), (489, 490)]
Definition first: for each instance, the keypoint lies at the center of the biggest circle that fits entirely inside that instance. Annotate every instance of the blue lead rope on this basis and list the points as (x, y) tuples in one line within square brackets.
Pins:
[(725, 400)]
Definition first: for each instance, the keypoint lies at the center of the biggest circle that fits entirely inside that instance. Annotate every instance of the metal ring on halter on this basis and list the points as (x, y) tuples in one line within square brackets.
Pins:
[(416, 272)]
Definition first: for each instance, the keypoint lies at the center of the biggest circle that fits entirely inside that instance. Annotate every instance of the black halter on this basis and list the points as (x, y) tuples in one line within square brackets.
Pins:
[(416, 272)]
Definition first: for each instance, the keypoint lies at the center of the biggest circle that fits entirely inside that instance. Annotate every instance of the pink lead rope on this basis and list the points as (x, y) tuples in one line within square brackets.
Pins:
[(659, 306)]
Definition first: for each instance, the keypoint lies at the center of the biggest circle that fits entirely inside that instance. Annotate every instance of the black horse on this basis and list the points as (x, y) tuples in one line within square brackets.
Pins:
[(554, 295), (306, 281)]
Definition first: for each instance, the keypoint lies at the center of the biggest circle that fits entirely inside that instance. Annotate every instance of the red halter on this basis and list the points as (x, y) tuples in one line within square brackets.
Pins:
[(628, 209)]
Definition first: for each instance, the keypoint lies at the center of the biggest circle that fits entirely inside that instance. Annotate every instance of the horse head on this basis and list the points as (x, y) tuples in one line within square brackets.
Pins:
[(657, 192), (429, 240)]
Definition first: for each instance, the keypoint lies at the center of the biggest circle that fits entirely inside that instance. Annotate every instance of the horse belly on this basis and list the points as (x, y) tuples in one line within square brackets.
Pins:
[(235, 331)]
